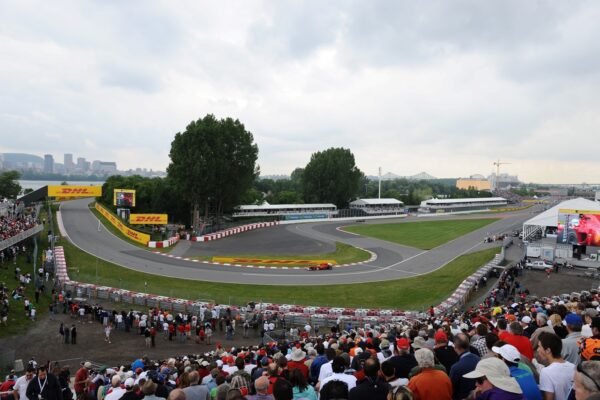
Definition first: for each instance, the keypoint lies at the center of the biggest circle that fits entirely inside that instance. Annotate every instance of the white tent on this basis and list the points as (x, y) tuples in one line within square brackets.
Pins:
[(549, 218)]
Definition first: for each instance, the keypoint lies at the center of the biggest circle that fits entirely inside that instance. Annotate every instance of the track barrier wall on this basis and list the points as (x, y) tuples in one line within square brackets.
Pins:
[(294, 314)]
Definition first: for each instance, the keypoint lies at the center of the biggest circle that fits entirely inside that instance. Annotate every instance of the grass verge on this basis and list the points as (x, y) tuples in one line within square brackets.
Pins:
[(343, 254), (410, 293), (112, 229), (422, 235)]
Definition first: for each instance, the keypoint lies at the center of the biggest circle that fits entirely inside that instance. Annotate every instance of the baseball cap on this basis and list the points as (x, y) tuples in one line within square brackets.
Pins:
[(403, 343), (526, 319), (573, 319), (508, 352), (129, 382), (87, 365), (440, 336), (497, 373)]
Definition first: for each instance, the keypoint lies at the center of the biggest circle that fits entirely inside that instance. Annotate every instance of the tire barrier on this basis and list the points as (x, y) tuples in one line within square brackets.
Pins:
[(295, 314)]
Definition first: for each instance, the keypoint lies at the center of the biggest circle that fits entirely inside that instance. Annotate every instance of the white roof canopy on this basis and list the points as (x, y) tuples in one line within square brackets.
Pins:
[(376, 202)]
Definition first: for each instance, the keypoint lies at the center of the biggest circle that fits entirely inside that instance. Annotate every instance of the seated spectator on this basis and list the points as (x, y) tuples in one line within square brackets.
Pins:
[(493, 381), (430, 383)]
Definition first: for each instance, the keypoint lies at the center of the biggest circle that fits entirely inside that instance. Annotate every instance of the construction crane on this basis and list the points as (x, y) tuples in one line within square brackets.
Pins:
[(498, 164)]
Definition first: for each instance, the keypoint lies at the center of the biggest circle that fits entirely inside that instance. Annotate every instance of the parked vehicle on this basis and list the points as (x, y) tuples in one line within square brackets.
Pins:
[(539, 264)]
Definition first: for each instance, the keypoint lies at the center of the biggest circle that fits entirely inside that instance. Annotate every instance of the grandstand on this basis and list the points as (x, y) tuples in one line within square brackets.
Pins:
[(372, 207), (286, 211), (457, 205)]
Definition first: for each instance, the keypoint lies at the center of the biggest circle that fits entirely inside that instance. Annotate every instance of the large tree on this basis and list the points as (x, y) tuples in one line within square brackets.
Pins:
[(213, 164), (331, 176), (9, 185)]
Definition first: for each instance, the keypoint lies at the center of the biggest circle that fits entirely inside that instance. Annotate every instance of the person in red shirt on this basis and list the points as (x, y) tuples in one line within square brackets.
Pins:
[(82, 379), (298, 357), (517, 339)]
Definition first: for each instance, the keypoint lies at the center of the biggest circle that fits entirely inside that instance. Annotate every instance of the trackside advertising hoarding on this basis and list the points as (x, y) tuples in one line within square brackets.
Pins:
[(149, 219), (578, 227), (68, 191), (124, 198), (139, 237)]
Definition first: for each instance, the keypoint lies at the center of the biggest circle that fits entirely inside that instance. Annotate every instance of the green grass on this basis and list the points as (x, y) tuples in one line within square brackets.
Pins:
[(410, 293), (422, 235), (111, 228), (343, 254), (17, 321)]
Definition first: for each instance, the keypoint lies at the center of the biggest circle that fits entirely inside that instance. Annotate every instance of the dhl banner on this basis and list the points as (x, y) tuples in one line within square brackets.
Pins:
[(569, 211), (150, 219), (139, 237), (241, 260), (67, 191)]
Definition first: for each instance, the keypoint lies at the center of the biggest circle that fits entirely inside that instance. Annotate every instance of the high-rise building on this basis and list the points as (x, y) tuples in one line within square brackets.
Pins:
[(48, 163), (82, 165), (68, 162)]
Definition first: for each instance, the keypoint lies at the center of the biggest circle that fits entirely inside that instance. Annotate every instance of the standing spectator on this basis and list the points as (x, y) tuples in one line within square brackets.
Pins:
[(493, 381), (466, 363), (107, 330), (371, 387), (430, 383), (541, 321), (590, 347), (570, 344), (402, 360), (298, 357), (282, 390), (338, 366), (20, 387), (82, 379), (586, 380), (517, 339), (557, 378), (300, 386), (45, 386), (73, 334), (444, 353), (196, 391)]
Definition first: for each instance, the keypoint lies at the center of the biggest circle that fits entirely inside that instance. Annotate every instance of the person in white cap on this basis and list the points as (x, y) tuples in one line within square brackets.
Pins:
[(493, 381), (524, 377)]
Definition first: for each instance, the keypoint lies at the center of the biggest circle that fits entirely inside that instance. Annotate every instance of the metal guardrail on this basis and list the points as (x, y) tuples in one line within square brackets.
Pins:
[(20, 237)]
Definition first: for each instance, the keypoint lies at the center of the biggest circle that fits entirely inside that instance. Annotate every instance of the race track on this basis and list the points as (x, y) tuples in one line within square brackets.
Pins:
[(393, 261)]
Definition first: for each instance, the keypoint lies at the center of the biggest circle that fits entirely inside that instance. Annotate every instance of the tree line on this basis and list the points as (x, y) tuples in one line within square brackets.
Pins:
[(213, 169)]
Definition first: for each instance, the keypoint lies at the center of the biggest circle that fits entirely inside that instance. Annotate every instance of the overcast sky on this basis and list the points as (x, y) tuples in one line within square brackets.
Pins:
[(444, 87)]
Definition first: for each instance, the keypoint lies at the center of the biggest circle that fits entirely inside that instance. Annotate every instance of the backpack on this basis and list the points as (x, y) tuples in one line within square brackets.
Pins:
[(590, 349)]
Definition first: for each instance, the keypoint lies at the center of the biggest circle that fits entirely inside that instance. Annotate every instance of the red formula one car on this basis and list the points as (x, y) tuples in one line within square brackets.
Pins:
[(584, 230), (320, 267)]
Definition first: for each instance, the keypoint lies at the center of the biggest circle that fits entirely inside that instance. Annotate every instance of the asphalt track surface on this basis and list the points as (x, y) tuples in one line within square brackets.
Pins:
[(393, 261)]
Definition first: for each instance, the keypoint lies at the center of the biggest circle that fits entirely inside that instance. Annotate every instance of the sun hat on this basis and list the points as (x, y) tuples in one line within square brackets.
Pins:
[(497, 373), (298, 355), (419, 343), (87, 365), (508, 352)]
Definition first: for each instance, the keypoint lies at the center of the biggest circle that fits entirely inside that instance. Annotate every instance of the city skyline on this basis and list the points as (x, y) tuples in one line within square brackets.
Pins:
[(446, 88)]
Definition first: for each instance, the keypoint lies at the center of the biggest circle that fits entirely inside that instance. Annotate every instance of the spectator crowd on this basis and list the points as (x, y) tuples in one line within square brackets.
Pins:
[(511, 346)]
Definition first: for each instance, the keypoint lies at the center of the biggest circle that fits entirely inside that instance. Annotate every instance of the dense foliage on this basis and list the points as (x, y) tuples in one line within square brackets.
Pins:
[(331, 176), (213, 163), (9, 185)]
